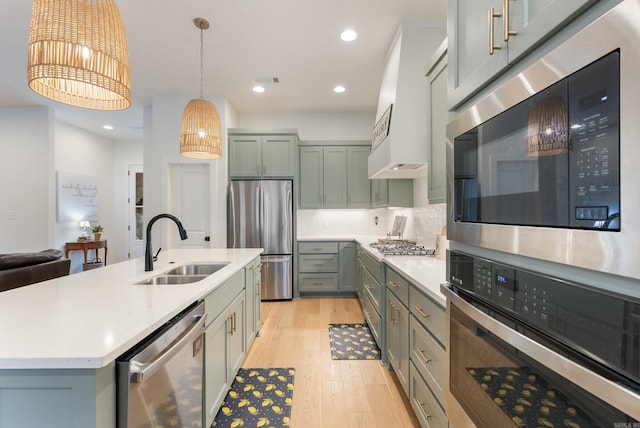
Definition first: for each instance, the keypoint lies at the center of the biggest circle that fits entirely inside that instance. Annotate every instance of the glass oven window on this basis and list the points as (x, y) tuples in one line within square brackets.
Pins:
[(498, 385)]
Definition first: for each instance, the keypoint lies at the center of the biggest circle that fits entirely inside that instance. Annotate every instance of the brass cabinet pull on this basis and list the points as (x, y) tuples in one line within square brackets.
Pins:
[(233, 322), (505, 21), (424, 357), (230, 332), (318, 283), (419, 310), (492, 15), (393, 312), (257, 169), (423, 410), (393, 284)]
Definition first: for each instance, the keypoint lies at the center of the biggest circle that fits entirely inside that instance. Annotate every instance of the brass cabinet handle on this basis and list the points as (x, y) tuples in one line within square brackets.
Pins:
[(423, 410), (393, 311), (505, 21), (492, 15), (393, 284), (257, 169), (419, 310), (230, 318), (233, 322), (424, 357)]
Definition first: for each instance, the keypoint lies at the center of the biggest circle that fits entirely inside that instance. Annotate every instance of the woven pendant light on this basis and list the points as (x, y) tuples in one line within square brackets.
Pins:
[(78, 54), (200, 129), (547, 130)]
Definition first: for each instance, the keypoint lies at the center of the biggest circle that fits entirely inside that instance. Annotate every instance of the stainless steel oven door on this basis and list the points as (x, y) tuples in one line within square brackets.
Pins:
[(501, 377)]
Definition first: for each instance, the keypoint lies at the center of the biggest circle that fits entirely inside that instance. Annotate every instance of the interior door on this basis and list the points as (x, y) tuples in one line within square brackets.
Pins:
[(189, 200), (136, 219)]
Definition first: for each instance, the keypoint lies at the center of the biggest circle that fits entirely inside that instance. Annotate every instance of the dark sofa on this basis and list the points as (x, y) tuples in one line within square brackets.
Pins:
[(20, 269)]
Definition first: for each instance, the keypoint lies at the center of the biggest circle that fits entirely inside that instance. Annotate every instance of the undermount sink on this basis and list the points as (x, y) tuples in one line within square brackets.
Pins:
[(165, 279), (197, 269), (185, 274)]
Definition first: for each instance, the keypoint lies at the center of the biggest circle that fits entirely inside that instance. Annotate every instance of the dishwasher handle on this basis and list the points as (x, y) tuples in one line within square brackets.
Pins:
[(140, 371)]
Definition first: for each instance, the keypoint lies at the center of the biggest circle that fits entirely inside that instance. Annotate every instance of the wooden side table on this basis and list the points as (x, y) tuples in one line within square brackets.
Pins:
[(85, 246)]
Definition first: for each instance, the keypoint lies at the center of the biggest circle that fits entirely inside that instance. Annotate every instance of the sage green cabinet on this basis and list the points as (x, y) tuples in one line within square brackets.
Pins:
[(225, 343), (347, 271), (392, 193), (397, 333), (253, 287), (323, 177), (261, 156), (358, 183), (327, 267), (477, 54), (437, 118), (334, 176)]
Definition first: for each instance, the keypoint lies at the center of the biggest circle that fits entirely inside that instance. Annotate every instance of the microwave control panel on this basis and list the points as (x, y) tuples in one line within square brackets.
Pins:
[(594, 159)]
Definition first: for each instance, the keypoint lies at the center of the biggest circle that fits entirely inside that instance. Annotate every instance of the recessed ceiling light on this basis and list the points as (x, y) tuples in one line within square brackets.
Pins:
[(348, 35), (339, 89), (108, 127), (259, 89)]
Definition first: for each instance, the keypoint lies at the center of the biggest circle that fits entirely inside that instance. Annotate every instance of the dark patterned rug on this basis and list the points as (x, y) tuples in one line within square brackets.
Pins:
[(258, 398), (352, 342)]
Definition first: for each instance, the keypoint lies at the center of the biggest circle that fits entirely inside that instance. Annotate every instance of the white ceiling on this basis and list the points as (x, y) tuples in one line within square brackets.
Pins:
[(296, 41)]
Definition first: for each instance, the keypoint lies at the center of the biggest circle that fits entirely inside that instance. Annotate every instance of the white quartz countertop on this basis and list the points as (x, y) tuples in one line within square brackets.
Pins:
[(88, 319), (426, 272)]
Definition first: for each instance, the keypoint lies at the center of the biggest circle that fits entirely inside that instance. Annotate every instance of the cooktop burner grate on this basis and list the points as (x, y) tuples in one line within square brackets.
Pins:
[(402, 249)]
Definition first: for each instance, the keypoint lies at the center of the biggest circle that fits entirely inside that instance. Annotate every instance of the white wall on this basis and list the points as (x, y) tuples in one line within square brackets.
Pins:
[(314, 126), (27, 179)]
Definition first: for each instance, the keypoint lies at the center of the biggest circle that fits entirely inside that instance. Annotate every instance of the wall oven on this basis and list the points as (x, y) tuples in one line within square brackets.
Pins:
[(531, 350), (545, 165)]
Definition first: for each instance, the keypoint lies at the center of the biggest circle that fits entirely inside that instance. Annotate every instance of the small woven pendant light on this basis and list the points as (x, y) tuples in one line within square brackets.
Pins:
[(547, 130), (200, 130), (78, 54)]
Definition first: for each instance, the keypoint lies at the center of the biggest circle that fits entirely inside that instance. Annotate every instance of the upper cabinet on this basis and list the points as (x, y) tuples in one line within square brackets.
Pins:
[(485, 36), (437, 118), (334, 176), (396, 193), (254, 155)]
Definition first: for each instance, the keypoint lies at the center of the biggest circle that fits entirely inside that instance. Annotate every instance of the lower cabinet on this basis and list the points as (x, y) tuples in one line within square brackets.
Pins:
[(415, 329), (397, 324), (225, 344), (253, 287), (424, 404), (326, 268)]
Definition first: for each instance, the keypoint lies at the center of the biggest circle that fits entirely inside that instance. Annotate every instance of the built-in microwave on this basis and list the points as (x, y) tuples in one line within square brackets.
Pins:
[(551, 160), (544, 163)]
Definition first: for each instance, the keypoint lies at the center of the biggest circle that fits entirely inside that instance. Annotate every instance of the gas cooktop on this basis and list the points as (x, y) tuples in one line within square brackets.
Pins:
[(402, 249)]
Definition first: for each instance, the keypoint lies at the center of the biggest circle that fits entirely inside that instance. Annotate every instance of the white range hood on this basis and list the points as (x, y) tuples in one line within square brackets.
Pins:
[(399, 148)]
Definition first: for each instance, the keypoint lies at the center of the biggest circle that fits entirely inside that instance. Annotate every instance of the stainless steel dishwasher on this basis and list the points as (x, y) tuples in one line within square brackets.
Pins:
[(159, 382)]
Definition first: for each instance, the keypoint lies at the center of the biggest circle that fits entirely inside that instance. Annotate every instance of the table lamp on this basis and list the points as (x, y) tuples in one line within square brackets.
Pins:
[(84, 224)]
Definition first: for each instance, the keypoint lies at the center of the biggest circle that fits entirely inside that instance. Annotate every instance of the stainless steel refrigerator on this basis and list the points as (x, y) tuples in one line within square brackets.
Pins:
[(261, 216)]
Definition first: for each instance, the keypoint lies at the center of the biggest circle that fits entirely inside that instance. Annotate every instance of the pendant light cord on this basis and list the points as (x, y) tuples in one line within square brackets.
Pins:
[(201, 62)]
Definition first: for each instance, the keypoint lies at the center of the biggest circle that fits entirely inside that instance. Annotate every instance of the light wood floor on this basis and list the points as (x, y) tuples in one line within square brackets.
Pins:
[(327, 393)]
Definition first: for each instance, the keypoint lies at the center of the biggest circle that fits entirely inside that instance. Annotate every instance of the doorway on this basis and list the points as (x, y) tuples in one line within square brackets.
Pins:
[(136, 212), (189, 200)]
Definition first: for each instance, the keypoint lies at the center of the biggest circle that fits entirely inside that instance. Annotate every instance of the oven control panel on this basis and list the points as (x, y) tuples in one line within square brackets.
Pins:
[(595, 320)]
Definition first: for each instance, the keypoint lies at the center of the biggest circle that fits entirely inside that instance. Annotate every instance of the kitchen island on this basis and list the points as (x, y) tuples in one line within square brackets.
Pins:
[(60, 338)]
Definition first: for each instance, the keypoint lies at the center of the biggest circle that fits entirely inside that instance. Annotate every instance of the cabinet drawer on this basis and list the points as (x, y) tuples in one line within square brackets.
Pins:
[(373, 318), (429, 358), (317, 247), (373, 289), (429, 313), (398, 285), (223, 295), (318, 263), (424, 404), (372, 265), (318, 282)]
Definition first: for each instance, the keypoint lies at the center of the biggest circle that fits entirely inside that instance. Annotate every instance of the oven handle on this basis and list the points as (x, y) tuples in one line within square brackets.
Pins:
[(610, 392)]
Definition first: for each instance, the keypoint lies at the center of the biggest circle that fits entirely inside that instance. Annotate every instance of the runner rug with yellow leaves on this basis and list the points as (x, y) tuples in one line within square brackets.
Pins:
[(352, 342), (258, 398)]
